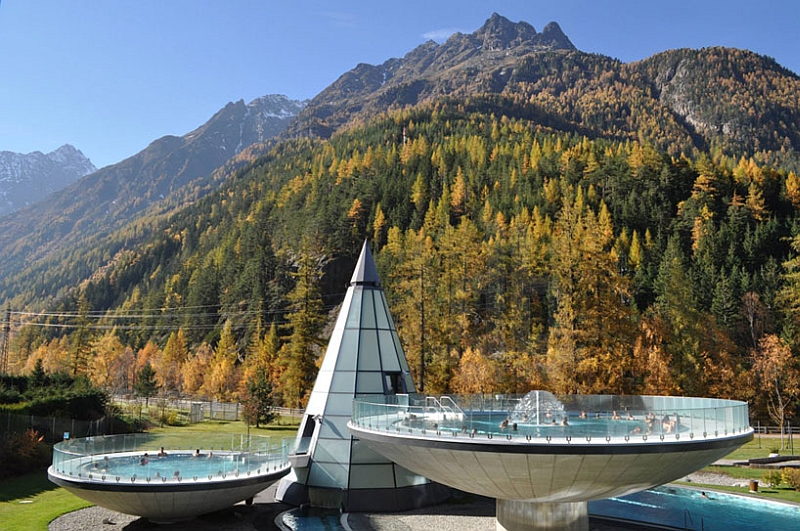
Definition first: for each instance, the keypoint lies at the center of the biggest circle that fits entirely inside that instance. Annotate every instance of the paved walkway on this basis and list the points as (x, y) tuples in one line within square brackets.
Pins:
[(464, 512)]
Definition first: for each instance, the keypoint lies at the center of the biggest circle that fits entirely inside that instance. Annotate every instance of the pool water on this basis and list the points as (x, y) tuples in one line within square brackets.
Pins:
[(172, 465), (313, 520), (494, 424), (668, 506), (688, 509)]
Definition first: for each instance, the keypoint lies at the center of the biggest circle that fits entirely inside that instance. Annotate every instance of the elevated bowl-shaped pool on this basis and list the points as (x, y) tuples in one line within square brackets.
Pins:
[(544, 457), (135, 474)]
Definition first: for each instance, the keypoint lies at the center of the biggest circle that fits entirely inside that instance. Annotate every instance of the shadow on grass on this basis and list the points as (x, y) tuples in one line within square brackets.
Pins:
[(25, 486)]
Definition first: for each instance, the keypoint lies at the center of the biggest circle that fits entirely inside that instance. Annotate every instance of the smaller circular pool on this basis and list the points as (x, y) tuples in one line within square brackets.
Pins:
[(136, 474), (173, 466)]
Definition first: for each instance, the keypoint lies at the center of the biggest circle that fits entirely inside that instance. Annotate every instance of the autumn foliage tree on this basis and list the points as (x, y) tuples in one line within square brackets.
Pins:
[(305, 320), (778, 377)]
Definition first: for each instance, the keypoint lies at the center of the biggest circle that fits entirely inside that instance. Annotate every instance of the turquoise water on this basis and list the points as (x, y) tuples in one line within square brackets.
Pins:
[(494, 424), (688, 509), (172, 465), (668, 506), (314, 520)]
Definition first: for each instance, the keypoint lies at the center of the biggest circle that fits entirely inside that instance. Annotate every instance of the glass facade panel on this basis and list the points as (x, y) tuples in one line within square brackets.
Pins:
[(343, 382), (369, 382), (367, 310), (348, 351), (399, 348), (332, 451), (389, 357), (334, 427), (380, 311), (369, 358), (340, 404), (406, 478), (328, 475), (354, 316), (363, 454), (409, 383), (371, 476)]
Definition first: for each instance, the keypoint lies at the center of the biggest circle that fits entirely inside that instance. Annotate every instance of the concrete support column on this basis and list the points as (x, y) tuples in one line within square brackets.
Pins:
[(529, 516)]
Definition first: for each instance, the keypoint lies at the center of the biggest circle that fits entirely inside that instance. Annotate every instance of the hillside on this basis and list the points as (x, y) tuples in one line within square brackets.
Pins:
[(36, 240), (587, 227), (722, 100)]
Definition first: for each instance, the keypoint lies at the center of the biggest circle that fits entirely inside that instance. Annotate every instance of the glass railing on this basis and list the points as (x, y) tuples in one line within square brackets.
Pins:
[(145, 458), (540, 417)]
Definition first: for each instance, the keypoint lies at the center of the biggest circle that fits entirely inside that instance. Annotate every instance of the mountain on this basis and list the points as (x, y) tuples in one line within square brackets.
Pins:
[(465, 64), (681, 100), (541, 216), (715, 102), (28, 178), (36, 237)]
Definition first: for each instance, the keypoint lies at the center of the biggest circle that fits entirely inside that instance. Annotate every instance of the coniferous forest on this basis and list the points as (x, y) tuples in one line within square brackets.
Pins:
[(517, 251)]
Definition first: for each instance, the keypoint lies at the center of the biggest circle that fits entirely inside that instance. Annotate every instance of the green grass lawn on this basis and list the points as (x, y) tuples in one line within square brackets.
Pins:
[(30, 502), (215, 434), (761, 447)]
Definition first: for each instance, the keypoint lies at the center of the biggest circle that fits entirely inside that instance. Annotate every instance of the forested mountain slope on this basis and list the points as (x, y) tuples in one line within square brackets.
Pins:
[(548, 259), (716, 99), (584, 229), (37, 241)]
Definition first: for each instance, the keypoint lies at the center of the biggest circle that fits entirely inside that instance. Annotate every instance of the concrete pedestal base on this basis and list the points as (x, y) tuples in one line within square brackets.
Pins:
[(528, 516)]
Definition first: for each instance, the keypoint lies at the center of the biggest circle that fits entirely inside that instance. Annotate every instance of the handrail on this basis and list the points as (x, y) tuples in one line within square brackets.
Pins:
[(579, 420), (440, 408), (454, 408), (255, 455)]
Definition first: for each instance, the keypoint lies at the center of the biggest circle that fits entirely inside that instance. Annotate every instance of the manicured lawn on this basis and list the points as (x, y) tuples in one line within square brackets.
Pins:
[(30, 502), (212, 434), (761, 447), (758, 447)]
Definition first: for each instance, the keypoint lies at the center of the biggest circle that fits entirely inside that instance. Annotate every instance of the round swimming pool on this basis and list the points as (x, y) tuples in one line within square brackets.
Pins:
[(563, 426), (134, 474), (173, 465)]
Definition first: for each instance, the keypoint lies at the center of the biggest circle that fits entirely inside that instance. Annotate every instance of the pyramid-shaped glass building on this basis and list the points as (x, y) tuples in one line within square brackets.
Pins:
[(331, 468)]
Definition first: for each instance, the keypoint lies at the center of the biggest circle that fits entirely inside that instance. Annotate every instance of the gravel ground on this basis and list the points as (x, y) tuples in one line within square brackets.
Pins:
[(710, 478), (257, 517), (463, 513)]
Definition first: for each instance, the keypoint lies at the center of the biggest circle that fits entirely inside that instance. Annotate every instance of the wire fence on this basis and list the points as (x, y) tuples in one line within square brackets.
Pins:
[(52, 428), (197, 410), (55, 429)]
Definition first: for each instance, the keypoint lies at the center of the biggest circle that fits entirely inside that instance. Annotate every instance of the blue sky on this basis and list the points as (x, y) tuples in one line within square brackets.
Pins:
[(111, 76)]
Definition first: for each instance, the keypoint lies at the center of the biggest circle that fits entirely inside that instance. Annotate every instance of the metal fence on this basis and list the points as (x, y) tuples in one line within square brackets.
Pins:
[(199, 410), (53, 429)]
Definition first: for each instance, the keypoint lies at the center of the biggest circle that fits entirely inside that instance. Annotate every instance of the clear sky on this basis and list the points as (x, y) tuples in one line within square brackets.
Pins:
[(110, 76)]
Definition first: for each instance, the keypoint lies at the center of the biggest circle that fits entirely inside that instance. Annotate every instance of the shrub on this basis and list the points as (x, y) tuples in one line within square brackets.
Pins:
[(772, 477), (22, 452), (170, 417), (791, 476), (9, 395)]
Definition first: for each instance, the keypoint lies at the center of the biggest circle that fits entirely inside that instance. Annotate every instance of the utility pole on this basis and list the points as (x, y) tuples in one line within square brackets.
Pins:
[(4, 348), (422, 328)]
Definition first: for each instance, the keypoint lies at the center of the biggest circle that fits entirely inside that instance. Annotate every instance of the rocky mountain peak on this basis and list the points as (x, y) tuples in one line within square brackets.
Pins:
[(499, 33), (553, 37), (26, 178)]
